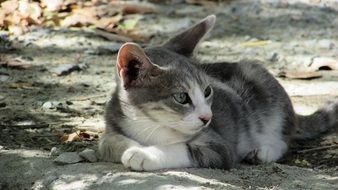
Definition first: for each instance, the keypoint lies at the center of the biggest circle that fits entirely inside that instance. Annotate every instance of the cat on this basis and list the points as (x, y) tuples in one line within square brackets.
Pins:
[(168, 111)]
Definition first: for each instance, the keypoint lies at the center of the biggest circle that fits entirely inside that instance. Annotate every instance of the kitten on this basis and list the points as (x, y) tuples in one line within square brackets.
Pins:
[(167, 111)]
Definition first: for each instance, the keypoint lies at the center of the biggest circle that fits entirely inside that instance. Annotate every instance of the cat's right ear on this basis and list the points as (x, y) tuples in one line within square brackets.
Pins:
[(186, 42), (133, 65)]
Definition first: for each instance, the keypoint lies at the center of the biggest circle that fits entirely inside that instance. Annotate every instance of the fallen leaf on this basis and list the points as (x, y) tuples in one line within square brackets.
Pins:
[(77, 20), (21, 85), (75, 136), (299, 74), (108, 21), (135, 7), (9, 6), (323, 63), (14, 63), (111, 36), (53, 5)]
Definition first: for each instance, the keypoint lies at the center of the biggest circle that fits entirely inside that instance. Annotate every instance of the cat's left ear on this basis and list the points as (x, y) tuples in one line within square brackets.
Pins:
[(186, 42), (134, 67)]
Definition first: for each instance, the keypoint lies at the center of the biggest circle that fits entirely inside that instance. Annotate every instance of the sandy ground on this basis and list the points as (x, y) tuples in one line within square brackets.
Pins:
[(37, 106)]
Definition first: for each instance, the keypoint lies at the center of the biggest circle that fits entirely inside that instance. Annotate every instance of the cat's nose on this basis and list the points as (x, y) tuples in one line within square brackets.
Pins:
[(205, 118)]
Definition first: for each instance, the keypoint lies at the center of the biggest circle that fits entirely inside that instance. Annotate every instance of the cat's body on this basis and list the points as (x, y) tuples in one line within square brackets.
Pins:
[(168, 111)]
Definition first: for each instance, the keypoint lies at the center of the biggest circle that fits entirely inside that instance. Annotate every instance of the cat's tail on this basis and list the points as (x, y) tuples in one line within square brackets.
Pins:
[(319, 122)]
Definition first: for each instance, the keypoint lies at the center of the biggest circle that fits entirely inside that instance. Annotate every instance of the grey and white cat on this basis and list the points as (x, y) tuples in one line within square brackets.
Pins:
[(168, 111)]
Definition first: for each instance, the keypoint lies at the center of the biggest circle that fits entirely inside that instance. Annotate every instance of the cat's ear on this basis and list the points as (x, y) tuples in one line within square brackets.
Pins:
[(133, 65), (185, 42)]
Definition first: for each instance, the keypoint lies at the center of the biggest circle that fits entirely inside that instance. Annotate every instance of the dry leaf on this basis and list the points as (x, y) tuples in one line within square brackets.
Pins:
[(323, 63), (14, 63), (9, 6), (299, 74), (75, 136), (21, 85), (53, 5), (135, 7), (111, 36), (77, 20)]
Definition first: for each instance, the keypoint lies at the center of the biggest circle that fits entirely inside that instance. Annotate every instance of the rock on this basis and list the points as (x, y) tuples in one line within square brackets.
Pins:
[(4, 77), (66, 69), (68, 158), (107, 49), (48, 105), (88, 154), (189, 10), (2, 147), (52, 105), (55, 152)]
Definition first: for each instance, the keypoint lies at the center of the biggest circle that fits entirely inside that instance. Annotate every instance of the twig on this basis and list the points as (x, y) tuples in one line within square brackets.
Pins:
[(318, 148)]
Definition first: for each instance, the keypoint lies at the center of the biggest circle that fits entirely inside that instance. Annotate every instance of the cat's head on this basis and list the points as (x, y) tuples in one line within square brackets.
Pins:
[(162, 84)]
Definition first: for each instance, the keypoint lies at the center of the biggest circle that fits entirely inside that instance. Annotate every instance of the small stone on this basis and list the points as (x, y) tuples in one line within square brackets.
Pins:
[(68, 158), (48, 105), (54, 152), (65, 69), (2, 147), (4, 77), (111, 48), (88, 154)]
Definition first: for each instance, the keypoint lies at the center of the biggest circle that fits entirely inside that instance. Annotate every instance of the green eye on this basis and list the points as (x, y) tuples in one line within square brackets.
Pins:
[(182, 98), (207, 91)]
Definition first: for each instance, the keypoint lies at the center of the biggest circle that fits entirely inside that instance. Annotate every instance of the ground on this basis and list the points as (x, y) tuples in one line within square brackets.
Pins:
[(38, 106)]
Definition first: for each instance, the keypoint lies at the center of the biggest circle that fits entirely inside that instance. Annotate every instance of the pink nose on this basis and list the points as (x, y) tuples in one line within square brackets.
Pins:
[(205, 118)]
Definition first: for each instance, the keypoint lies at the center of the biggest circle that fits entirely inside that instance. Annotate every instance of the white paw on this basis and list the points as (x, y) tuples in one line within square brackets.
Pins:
[(267, 154), (141, 159)]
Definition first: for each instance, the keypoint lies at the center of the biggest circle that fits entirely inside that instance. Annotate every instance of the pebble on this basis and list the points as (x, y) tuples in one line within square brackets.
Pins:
[(54, 152), (68, 158), (66, 69), (48, 105), (52, 105), (111, 48), (88, 154), (4, 77)]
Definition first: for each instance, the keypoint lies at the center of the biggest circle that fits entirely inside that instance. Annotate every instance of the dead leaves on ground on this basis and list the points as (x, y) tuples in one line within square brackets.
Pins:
[(311, 71), (117, 17), (75, 136)]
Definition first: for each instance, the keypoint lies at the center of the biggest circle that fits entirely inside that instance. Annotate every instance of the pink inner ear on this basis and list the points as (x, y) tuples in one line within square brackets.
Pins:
[(130, 59)]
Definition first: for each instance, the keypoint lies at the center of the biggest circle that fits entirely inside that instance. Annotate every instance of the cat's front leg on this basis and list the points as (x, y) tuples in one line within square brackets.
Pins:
[(112, 146), (156, 157)]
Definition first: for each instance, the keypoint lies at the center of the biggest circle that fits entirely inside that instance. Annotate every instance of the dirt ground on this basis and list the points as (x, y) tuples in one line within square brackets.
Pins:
[(37, 106)]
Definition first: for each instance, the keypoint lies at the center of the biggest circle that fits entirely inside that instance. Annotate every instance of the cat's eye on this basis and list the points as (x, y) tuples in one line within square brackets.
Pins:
[(207, 91), (182, 98)]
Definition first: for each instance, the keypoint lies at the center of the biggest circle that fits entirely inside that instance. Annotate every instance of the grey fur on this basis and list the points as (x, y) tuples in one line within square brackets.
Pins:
[(252, 113)]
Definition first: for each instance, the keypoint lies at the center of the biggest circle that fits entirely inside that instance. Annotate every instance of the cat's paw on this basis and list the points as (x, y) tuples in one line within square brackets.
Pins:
[(264, 154), (141, 159)]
